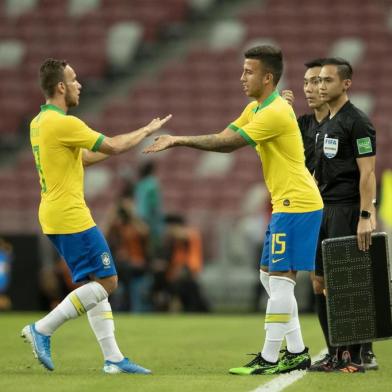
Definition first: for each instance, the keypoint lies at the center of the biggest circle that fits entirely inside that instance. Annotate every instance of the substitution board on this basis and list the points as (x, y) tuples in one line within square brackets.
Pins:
[(358, 290)]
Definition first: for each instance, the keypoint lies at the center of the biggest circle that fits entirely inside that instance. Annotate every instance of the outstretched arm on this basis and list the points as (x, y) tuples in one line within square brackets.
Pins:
[(225, 141), (90, 157), (121, 143)]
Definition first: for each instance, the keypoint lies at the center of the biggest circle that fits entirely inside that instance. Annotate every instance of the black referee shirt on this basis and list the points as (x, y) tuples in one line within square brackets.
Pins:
[(344, 138), (310, 129)]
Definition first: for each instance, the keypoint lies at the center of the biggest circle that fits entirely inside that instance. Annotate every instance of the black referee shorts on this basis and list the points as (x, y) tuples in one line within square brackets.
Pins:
[(338, 221)]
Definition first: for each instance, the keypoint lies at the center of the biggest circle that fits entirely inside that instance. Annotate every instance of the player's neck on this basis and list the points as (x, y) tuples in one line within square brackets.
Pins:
[(337, 104), (321, 112), (267, 92), (57, 102)]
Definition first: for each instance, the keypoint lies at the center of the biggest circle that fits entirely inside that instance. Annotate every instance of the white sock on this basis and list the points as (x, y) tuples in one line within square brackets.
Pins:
[(294, 341), (101, 322), (279, 310), (264, 279), (74, 304)]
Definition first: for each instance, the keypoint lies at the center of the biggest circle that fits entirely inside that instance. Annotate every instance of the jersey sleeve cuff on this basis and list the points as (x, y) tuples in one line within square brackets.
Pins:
[(233, 127), (240, 131), (98, 143)]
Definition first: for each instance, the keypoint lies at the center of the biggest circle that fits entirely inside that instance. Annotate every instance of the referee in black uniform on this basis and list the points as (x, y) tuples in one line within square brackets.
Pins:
[(336, 203), (345, 150), (310, 124)]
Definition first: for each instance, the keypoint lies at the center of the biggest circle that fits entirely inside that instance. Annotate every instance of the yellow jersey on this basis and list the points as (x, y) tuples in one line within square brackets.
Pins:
[(57, 141), (272, 129)]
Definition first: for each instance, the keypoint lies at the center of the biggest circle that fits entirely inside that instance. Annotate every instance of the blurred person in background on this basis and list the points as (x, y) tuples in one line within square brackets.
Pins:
[(62, 146), (148, 200), (182, 250), (128, 237), (5, 272), (269, 125)]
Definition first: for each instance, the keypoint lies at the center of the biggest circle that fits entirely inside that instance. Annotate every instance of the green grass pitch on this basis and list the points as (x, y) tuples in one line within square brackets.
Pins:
[(185, 352)]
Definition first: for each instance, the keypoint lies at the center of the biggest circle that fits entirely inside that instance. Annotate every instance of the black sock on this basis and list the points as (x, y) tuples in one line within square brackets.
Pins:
[(366, 347), (321, 308), (355, 352), (339, 352)]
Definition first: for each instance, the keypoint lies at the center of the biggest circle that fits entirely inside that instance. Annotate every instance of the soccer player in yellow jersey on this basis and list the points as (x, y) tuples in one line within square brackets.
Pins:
[(269, 125), (62, 145)]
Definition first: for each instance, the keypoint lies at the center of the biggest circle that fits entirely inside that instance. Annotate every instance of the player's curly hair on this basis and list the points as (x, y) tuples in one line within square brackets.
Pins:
[(50, 74), (271, 57)]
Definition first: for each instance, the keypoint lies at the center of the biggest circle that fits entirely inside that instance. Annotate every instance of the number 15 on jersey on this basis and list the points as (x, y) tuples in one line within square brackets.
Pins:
[(278, 246)]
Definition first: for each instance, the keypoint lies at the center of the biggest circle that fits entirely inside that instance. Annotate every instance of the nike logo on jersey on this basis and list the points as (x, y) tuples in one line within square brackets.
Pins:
[(277, 260)]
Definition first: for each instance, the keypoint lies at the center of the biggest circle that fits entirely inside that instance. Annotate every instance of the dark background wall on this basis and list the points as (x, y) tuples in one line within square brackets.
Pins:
[(24, 290)]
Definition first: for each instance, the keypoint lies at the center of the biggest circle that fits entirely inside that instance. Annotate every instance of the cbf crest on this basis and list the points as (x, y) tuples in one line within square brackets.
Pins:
[(105, 257), (330, 147)]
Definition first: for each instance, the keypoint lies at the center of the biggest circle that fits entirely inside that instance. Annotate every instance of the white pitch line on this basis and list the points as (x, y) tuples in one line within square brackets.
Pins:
[(284, 380)]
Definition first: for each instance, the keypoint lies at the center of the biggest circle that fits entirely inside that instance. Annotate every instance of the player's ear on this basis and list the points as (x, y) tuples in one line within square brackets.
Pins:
[(346, 84), (61, 87), (268, 78)]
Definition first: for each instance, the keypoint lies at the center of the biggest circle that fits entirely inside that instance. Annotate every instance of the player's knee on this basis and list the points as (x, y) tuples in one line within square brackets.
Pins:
[(113, 283), (110, 283), (318, 284)]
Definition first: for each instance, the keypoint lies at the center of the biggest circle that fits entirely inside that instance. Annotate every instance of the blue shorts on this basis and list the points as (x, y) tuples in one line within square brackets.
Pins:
[(86, 253), (290, 242)]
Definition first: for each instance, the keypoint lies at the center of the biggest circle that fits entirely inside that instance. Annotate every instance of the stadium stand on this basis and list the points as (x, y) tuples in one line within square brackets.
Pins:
[(199, 74), (92, 35), (201, 89), (122, 43)]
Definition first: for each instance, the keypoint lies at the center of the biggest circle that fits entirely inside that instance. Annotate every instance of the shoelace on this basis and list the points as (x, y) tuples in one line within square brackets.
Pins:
[(254, 361), (287, 354)]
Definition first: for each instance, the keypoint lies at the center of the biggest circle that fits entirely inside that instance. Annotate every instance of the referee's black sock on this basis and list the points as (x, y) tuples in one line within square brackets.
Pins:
[(355, 353), (366, 347), (321, 308)]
